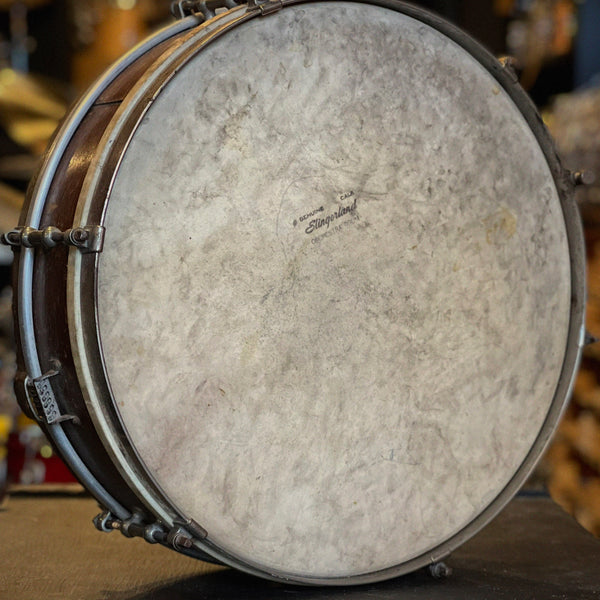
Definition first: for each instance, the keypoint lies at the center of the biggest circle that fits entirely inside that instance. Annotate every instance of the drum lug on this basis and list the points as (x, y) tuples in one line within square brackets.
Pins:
[(266, 7), (180, 537), (134, 526), (86, 239)]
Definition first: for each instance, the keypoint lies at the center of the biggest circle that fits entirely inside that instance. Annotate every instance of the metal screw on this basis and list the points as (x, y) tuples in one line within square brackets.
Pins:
[(182, 541), (440, 570), (79, 236)]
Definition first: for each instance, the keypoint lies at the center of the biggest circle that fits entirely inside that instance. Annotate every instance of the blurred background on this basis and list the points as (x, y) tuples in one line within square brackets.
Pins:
[(52, 50)]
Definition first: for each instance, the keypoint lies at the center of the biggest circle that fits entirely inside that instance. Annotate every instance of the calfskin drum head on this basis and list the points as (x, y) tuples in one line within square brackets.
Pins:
[(334, 296)]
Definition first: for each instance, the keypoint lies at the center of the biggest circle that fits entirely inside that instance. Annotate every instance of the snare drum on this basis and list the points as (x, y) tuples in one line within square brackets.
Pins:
[(300, 289)]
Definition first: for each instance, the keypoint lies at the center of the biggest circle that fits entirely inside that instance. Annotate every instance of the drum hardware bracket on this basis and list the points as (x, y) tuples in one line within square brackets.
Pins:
[(180, 537), (87, 239), (41, 401), (183, 533), (132, 527), (203, 8), (266, 7)]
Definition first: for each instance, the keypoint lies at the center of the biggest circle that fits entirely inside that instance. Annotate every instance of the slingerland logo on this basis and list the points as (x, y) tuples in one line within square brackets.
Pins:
[(326, 222)]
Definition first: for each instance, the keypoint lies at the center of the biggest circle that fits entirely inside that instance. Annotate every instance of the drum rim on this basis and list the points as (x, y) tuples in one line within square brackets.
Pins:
[(575, 338), (89, 361)]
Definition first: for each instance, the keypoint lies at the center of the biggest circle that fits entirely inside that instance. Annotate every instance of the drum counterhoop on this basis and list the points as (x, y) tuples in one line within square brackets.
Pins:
[(300, 289)]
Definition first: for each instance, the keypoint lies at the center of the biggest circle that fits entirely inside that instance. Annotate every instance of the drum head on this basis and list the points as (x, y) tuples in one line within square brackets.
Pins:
[(335, 293)]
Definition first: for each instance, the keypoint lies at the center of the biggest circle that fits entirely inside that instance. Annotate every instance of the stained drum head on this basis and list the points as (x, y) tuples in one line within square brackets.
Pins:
[(334, 301)]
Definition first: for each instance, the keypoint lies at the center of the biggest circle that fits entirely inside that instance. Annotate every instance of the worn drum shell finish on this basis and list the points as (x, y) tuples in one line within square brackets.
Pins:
[(49, 294), (49, 287)]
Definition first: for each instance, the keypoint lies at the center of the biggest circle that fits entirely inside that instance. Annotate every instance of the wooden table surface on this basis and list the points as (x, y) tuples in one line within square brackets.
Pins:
[(49, 550)]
